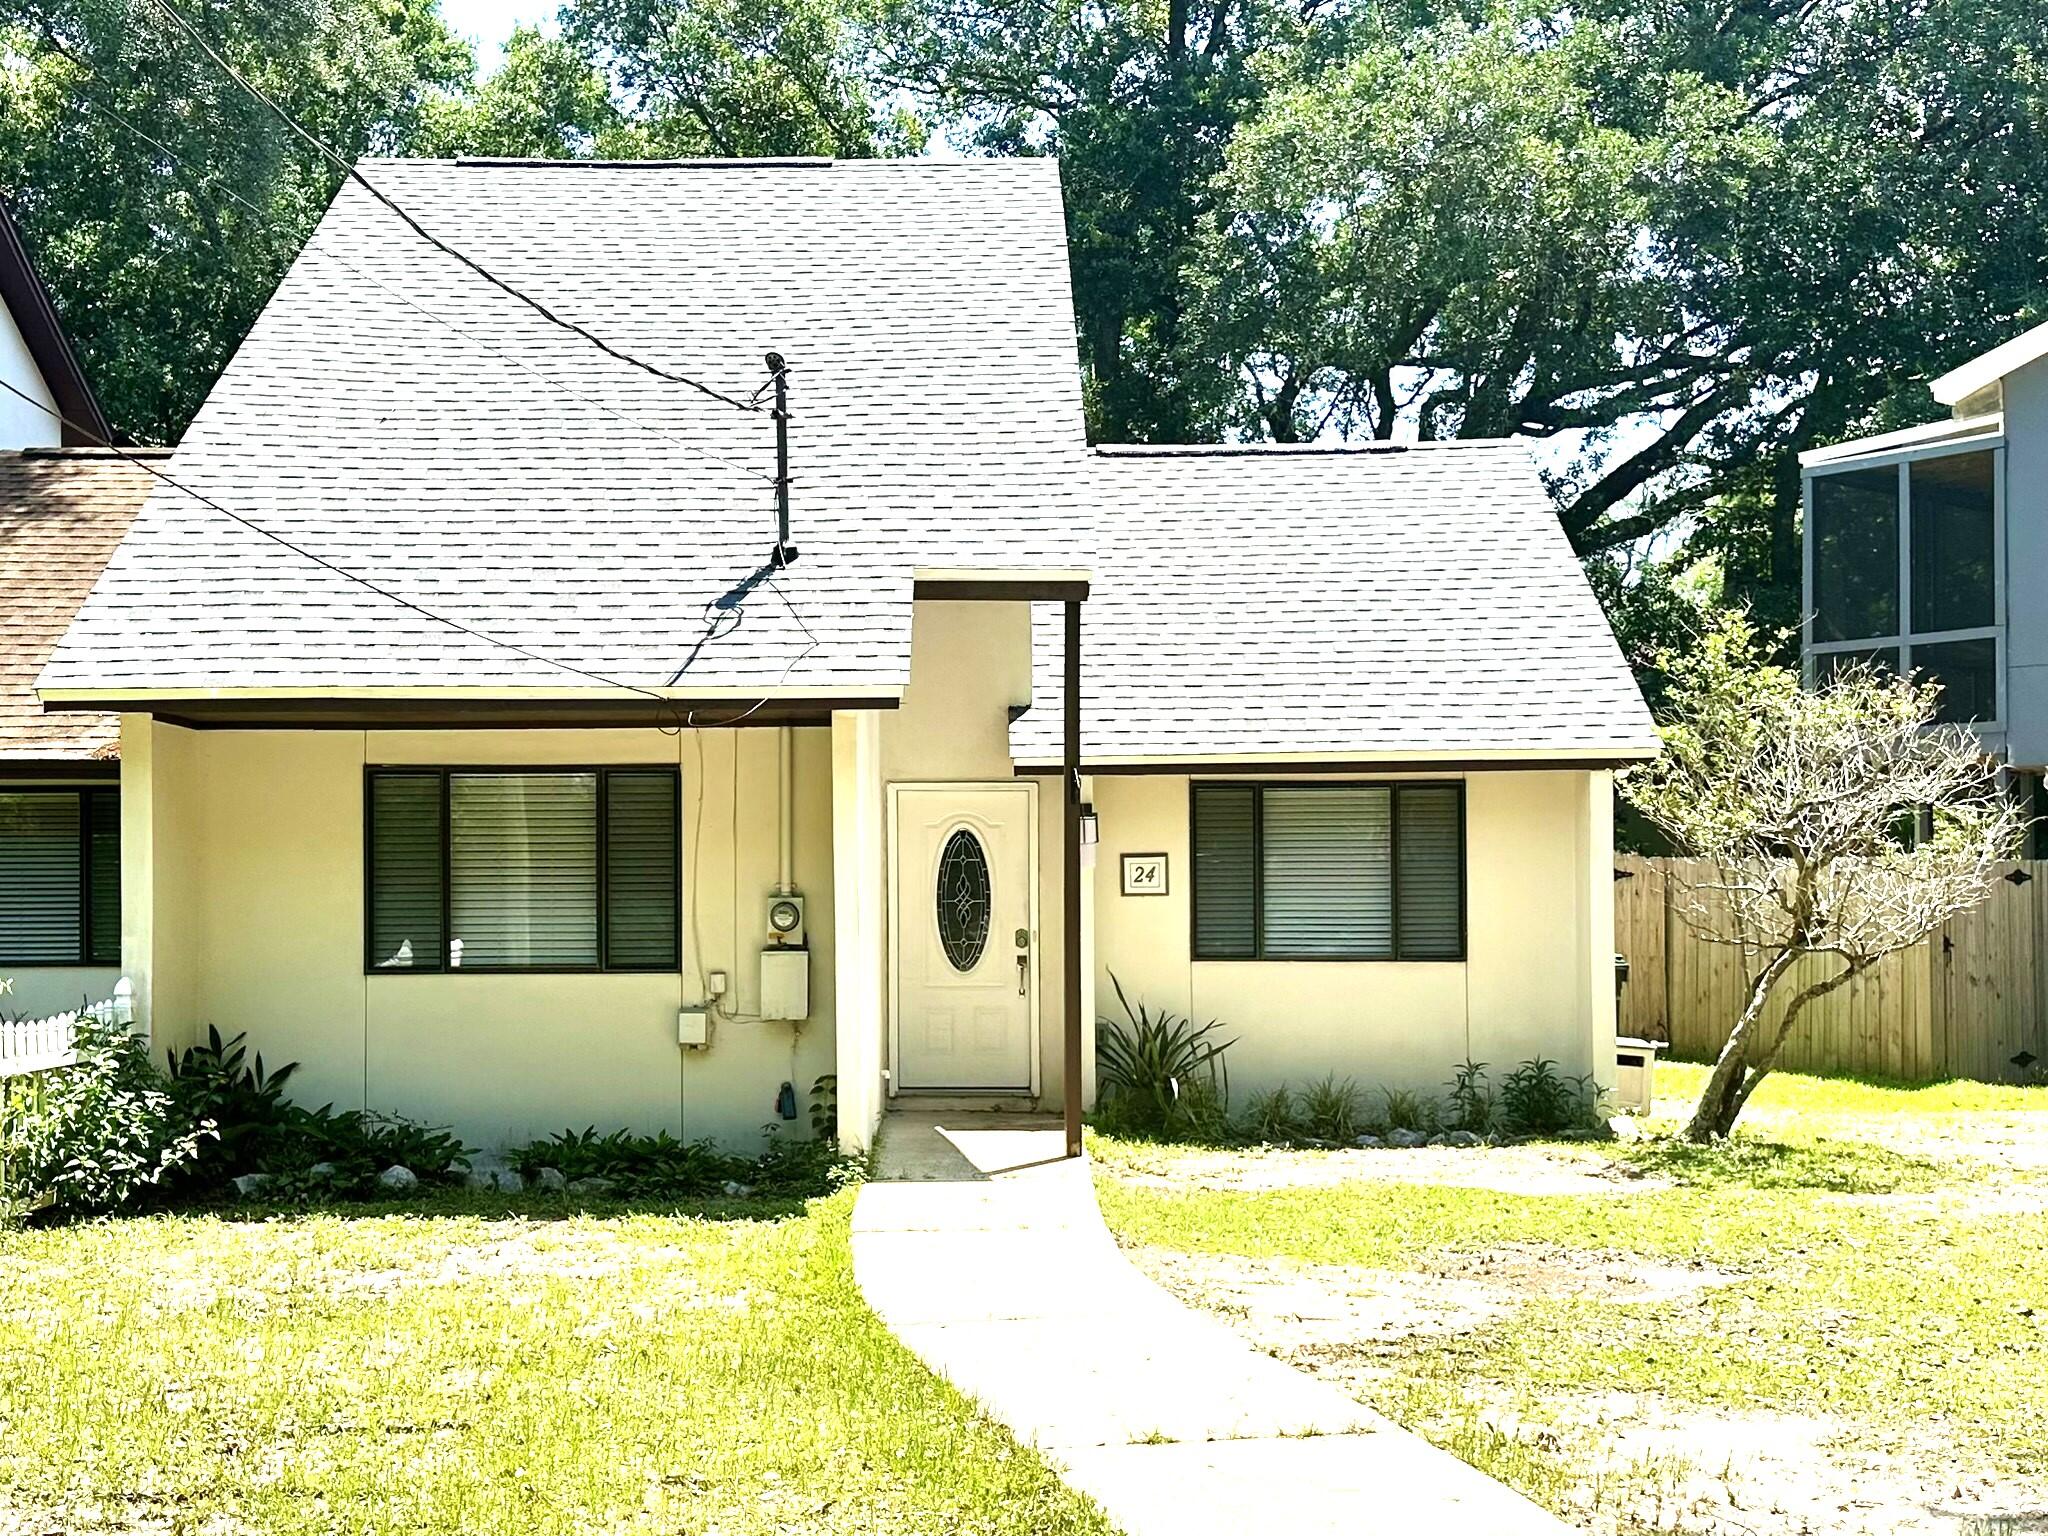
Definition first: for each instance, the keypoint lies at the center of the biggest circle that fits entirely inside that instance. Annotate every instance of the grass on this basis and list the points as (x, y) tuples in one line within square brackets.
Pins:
[(1892, 1289), (483, 1364)]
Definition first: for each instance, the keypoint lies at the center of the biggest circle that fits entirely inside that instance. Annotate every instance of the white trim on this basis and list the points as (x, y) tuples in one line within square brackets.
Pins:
[(1936, 437), (1989, 367), (146, 692), (1505, 756), (890, 849), (946, 575)]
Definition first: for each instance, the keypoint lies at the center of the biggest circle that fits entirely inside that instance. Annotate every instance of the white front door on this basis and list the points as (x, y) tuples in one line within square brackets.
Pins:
[(963, 928)]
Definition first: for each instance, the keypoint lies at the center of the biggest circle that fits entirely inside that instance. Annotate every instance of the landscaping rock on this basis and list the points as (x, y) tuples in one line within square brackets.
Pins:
[(550, 1179), (250, 1185), (1461, 1139), (1626, 1128), (1369, 1141), (322, 1171), (1401, 1136), (398, 1176), (737, 1190), (594, 1184), (493, 1177)]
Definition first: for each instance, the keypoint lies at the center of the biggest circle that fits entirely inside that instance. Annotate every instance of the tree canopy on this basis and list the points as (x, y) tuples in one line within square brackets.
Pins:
[(1673, 243)]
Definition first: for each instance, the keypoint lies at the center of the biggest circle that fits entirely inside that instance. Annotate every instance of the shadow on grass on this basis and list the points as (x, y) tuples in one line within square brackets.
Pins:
[(451, 1203), (1835, 1167)]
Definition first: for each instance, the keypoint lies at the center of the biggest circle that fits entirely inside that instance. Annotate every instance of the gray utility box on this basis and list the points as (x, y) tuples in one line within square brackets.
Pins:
[(785, 982)]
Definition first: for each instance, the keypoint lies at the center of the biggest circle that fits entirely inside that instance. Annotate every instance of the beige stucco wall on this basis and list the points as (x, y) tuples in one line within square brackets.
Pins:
[(255, 838), (1537, 859)]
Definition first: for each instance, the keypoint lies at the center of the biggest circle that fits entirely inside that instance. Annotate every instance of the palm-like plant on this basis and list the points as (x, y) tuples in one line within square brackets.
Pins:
[(1153, 1066)]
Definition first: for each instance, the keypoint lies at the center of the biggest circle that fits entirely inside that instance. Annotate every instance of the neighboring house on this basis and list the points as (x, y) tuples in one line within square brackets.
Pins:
[(63, 508), (533, 833), (1924, 548)]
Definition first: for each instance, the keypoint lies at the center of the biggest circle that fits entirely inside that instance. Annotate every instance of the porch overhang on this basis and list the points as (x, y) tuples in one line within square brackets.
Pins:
[(1068, 588)]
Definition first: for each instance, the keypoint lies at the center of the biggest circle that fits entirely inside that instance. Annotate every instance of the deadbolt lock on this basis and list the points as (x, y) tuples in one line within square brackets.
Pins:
[(1023, 938)]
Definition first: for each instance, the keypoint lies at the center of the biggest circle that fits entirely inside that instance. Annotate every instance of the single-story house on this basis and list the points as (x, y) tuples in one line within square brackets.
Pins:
[(64, 504), (484, 750)]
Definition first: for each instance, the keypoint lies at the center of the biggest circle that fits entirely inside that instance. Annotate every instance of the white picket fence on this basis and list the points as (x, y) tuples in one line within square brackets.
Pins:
[(43, 1045)]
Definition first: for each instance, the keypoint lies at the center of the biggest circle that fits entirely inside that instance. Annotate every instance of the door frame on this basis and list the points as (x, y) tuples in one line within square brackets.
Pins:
[(892, 858)]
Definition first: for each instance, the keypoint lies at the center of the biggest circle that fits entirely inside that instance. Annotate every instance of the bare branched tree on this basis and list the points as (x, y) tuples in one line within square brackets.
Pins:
[(1842, 823)]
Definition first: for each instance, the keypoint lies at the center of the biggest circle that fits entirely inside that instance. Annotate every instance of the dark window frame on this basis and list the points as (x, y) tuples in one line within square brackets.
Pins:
[(87, 795), (1260, 954), (444, 773)]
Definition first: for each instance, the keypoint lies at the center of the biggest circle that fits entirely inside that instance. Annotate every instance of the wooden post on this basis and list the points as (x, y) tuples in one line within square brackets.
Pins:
[(1070, 955)]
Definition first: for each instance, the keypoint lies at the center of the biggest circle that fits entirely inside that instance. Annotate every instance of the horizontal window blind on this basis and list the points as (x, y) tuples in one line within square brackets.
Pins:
[(42, 917), (1226, 868), (405, 871), (1432, 899), (522, 856), (641, 861), (103, 858), (1328, 871), (1327, 866)]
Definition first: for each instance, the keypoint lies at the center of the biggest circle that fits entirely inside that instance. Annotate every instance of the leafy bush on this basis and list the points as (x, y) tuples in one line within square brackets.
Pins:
[(1410, 1111), (1159, 1074), (1332, 1110), (91, 1135), (261, 1131), (1470, 1099), (825, 1107), (639, 1167), (1537, 1100), (1272, 1116), (246, 1104)]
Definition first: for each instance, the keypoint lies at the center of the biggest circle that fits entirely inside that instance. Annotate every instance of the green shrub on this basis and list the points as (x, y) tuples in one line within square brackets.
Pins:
[(1332, 1109), (1470, 1099), (1406, 1110), (261, 1131), (1159, 1074), (1537, 1100), (1272, 1116), (92, 1135), (217, 1082), (825, 1107), (661, 1166)]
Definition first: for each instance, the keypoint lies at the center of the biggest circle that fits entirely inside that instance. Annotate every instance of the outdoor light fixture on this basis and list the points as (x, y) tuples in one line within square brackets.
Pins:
[(1091, 829)]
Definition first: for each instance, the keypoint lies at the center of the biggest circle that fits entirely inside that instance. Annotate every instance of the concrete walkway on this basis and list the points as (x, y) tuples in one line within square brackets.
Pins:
[(984, 1251)]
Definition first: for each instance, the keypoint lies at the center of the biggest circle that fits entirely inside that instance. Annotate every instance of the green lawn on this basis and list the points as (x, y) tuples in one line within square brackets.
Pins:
[(481, 1366), (1879, 1258)]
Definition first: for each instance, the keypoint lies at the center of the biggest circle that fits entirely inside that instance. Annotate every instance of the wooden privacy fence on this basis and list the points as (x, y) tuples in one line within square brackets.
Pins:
[(1970, 1001)]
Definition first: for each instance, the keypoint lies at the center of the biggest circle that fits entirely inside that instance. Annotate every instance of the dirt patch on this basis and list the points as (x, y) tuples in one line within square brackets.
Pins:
[(1291, 1308), (1509, 1170), (1647, 1465)]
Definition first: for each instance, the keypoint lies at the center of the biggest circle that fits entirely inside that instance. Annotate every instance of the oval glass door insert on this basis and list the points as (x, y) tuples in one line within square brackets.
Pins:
[(963, 898)]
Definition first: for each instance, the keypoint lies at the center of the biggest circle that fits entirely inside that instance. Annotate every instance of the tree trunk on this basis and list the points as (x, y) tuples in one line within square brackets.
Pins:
[(1722, 1099)]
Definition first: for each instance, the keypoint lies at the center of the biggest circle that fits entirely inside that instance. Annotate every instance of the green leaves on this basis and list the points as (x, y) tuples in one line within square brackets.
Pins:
[(1160, 1072)]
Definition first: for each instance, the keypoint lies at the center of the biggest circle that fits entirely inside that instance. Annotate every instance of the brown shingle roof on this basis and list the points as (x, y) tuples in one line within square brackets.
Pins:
[(62, 511)]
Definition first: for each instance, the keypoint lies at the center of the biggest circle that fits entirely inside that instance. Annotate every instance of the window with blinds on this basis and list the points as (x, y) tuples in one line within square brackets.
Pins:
[(503, 870), (1328, 872), (60, 877)]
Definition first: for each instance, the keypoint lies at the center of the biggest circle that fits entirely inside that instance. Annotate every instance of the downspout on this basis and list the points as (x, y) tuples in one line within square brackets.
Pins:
[(785, 790)]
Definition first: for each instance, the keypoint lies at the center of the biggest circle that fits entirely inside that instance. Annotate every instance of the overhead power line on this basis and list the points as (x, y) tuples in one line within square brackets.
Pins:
[(348, 169), (328, 565), (279, 224)]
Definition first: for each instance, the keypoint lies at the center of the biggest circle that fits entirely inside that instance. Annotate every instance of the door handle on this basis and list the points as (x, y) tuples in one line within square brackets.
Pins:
[(1023, 970)]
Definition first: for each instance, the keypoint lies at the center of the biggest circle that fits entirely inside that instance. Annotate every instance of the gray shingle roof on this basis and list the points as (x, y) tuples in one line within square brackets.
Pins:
[(924, 306), (1244, 603), (1350, 602)]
